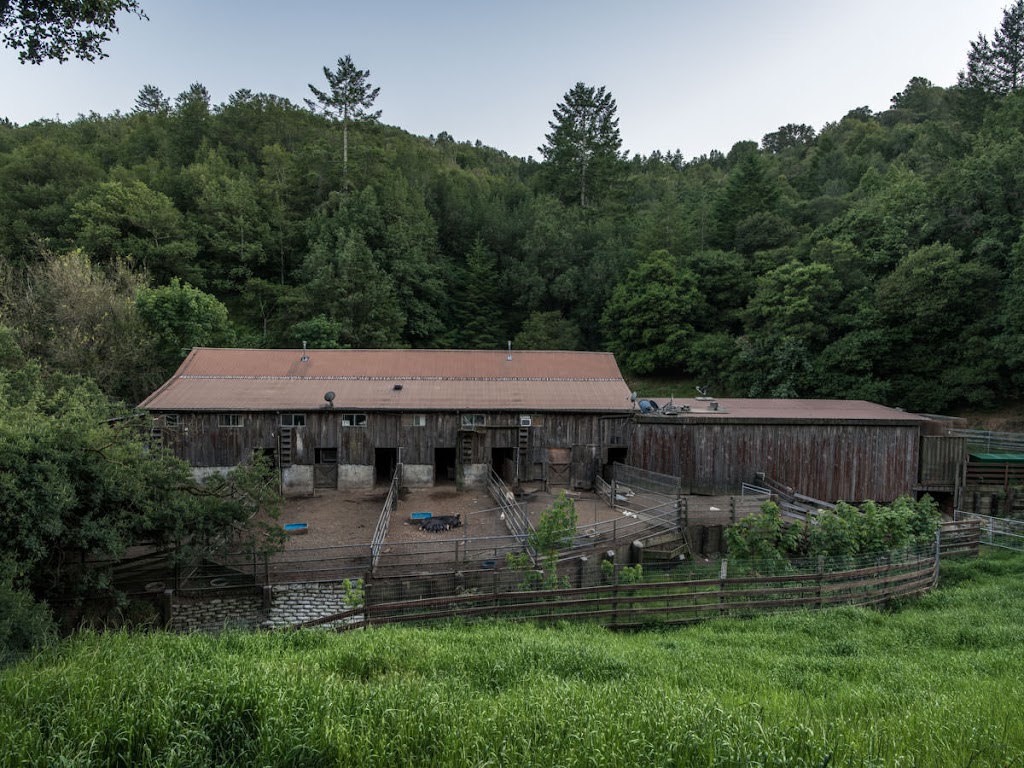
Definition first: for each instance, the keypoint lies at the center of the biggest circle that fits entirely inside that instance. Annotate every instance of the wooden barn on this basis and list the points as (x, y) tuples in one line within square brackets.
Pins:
[(333, 418), (829, 450)]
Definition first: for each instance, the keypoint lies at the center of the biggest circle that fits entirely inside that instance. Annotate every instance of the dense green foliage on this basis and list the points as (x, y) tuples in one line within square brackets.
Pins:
[(80, 482), (935, 683), (40, 30), (845, 531), (879, 257), (556, 527)]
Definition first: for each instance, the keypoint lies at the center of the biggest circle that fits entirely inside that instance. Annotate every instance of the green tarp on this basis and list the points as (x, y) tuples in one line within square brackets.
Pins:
[(998, 458)]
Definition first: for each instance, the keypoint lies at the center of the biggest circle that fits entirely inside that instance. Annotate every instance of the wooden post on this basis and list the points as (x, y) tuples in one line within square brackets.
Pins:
[(167, 607), (368, 591), (732, 509), (821, 576), (723, 574)]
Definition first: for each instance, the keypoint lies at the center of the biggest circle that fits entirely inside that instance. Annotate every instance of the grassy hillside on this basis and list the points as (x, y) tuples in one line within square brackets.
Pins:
[(936, 682)]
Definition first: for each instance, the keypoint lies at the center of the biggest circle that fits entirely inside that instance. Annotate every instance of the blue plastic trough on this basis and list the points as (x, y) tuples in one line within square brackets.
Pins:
[(422, 515), (296, 527)]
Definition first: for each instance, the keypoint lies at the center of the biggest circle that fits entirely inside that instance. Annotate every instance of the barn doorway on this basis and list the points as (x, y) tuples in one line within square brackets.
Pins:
[(503, 462), (616, 455), (384, 462), (325, 468), (444, 466)]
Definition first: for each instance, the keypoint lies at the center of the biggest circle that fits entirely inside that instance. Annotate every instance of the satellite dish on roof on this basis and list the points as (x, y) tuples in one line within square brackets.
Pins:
[(632, 397), (329, 397)]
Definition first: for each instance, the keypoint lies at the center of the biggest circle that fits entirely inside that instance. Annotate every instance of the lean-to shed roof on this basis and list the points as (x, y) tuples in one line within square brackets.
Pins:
[(393, 379), (780, 410)]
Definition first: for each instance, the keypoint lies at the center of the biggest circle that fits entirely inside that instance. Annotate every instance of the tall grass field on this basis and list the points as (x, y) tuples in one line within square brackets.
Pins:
[(935, 682)]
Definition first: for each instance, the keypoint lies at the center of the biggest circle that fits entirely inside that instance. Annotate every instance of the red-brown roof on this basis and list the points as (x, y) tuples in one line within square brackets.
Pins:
[(393, 379)]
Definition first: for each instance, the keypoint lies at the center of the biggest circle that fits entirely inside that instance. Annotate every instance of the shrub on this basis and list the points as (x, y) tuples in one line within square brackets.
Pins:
[(842, 532), (25, 625)]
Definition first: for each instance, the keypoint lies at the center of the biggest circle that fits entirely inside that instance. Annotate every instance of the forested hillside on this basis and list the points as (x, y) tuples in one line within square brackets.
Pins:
[(879, 256)]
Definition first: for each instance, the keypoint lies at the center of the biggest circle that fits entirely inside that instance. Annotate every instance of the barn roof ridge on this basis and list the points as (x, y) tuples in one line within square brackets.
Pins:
[(230, 377)]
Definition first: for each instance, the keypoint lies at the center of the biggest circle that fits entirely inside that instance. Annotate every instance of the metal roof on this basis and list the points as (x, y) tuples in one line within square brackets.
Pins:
[(393, 379), (784, 410)]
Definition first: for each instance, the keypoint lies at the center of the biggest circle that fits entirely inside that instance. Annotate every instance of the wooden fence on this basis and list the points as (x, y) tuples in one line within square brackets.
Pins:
[(960, 538), (680, 601), (684, 594)]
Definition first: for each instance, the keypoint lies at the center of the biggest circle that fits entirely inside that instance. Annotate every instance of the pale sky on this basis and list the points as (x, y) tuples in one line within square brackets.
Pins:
[(687, 75)]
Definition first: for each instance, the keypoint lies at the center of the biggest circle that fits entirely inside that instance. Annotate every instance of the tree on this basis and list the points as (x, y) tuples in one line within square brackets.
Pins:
[(129, 221), (555, 530), (180, 317), (789, 135), (942, 314), (583, 146), (794, 300), (47, 29), (997, 67), (548, 330), (80, 319), (80, 483), (344, 285), (349, 98), (478, 307), (649, 319), (151, 100)]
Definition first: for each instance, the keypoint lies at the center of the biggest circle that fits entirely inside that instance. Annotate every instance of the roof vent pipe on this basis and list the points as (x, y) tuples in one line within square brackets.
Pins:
[(509, 358), (305, 357)]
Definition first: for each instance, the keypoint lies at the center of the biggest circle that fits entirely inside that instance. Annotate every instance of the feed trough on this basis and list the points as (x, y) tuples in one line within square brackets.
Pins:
[(296, 528), (421, 516)]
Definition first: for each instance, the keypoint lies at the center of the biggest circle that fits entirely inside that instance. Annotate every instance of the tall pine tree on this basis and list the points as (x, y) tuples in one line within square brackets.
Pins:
[(349, 98), (998, 66), (582, 150)]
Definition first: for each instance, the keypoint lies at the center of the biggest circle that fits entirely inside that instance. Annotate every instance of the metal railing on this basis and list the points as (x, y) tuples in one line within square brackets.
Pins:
[(636, 479), (513, 513), (380, 533), (997, 531), (984, 441)]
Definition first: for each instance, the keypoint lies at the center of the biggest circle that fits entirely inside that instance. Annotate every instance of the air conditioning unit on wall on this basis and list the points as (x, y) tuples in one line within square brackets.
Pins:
[(525, 421)]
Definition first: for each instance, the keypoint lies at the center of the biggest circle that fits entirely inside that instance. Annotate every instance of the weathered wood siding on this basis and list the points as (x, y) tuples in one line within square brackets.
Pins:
[(828, 461), (942, 460), (199, 439)]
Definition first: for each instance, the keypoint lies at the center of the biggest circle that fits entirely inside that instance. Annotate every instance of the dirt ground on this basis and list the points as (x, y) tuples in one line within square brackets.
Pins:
[(340, 518)]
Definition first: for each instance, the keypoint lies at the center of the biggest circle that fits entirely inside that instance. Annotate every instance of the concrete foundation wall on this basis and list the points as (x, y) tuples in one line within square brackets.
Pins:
[(355, 476), (475, 475), (201, 473), (297, 480), (417, 475)]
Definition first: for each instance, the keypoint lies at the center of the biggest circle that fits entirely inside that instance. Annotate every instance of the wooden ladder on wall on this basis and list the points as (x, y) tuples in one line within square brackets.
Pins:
[(284, 446), (466, 448)]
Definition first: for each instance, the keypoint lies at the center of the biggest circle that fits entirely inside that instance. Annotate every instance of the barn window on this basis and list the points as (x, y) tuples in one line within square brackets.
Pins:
[(293, 419), (229, 420), (473, 420), (170, 419), (414, 419), (326, 455), (353, 419)]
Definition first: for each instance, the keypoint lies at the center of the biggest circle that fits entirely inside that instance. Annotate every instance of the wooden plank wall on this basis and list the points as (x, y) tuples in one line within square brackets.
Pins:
[(199, 440), (828, 461)]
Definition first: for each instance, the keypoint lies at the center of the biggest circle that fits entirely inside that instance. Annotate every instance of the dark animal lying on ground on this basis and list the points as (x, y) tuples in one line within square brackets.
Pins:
[(441, 523)]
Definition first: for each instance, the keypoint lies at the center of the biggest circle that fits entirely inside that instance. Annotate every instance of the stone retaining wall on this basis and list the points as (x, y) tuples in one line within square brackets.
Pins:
[(282, 605)]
